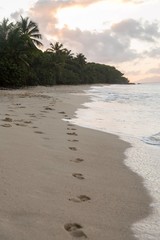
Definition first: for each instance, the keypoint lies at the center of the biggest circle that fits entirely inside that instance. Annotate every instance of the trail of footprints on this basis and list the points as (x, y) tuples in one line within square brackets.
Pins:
[(75, 229), (23, 122)]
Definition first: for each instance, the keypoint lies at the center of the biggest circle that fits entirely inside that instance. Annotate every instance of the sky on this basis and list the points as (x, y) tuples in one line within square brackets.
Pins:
[(121, 33)]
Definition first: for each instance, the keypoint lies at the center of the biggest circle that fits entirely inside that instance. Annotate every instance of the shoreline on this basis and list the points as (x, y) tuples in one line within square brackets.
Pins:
[(55, 174)]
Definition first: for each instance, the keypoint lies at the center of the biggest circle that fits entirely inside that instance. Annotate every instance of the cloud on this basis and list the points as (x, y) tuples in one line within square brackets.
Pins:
[(154, 70), (154, 53), (112, 45), (133, 73), (102, 47), (44, 13), (45, 10), (82, 3), (135, 1), (138, 30), (17, 14), (65, 3), (153, 79)]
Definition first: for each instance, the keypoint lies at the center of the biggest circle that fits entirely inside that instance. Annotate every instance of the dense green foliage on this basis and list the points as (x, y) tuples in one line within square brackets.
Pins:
[(22, 63)]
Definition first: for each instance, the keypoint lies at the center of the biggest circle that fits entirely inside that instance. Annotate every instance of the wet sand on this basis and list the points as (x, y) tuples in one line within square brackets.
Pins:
[(58, 180)]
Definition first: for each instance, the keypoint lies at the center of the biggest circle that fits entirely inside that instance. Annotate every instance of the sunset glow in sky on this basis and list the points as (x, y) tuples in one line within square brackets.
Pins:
[(123, 33)]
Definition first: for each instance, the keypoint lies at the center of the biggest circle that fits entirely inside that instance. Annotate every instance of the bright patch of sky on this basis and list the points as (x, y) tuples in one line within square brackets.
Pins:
[(102, 15), (9, 6)]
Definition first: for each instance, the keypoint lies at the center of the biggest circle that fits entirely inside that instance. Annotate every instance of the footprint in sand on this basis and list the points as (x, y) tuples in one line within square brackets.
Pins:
[(74, 140), (84, 198), (7, 119), (17, 104), (73, 148), (75, 230), (78, 176), (22, 107), (70, 125), (39, 132), (31, 115), (62, 112), (77, 160), (72, 133), (20, 124), (49, 108), (67, 118), (27, 122), (73, 129), (81, 198), (6, 125)]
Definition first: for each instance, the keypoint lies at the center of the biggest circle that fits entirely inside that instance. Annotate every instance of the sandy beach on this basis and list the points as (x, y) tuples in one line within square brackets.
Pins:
[(58, 180)]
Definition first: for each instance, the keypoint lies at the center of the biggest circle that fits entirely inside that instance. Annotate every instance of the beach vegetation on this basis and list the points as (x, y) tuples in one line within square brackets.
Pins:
[(24, 63), (29, 30)]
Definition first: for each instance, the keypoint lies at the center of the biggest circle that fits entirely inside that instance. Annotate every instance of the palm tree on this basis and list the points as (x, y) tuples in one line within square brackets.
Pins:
[(12, 44), (16, 47), (5, 28), (69, 54), (13, 55), (81, 59), (56, 48), (59, 58), (80, 62), (30, 31)]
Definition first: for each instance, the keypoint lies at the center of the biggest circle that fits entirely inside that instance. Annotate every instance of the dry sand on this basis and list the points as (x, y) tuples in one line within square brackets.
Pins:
[(59, 181)]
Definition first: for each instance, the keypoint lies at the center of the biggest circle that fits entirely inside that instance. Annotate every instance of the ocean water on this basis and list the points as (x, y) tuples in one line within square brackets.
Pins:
[(133, 113)]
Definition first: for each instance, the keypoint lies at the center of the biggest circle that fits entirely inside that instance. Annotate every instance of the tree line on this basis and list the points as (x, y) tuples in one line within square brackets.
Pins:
[(22, 63)]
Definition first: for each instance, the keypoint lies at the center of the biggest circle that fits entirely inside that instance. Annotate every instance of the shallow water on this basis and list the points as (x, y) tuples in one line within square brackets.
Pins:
[(133, 113)]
